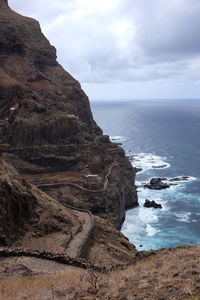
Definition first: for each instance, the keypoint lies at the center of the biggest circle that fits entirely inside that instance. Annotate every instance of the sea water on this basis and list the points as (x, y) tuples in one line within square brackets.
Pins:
[(163, 138)]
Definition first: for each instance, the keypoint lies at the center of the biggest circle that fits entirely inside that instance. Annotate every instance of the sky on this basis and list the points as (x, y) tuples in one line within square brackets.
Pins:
[(124, 49)]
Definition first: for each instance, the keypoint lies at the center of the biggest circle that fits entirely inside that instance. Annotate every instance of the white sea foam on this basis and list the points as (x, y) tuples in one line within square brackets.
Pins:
[(158, 196), (183, 217), (148, 161), (147, 215), (174, 185), (142, 224), (151, 230), (117, 138), (192, 178), (188, 179)]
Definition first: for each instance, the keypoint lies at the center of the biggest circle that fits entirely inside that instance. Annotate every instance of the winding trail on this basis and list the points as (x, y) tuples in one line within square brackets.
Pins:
[(61, 184), (79, 242)]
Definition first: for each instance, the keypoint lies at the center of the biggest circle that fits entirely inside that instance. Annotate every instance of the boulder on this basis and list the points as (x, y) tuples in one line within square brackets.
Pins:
[(159, 167), (157, 184), (182, 178), (148, 203)]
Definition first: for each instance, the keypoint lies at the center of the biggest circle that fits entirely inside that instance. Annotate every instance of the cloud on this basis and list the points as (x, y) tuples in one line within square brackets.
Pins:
[(121, 40), (171, 30)]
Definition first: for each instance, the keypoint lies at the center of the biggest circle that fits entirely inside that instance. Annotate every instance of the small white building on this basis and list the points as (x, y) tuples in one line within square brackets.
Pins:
[(93, 179), (72, 116)]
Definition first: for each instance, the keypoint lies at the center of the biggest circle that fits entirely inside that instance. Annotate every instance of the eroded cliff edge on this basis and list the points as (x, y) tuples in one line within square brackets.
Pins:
[(47, 130)]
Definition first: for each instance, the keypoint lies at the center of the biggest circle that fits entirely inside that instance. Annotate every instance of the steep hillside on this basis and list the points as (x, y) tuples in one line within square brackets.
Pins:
[(34, 224), (46, 126), (30, 218)]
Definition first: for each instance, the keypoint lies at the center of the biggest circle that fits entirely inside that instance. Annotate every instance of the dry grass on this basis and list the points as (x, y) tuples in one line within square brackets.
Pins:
[(42, 287), (174, 274), (168, 275)]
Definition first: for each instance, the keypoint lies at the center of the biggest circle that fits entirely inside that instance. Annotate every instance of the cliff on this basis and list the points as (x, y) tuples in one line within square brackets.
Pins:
[(47, 130), (40, 226)]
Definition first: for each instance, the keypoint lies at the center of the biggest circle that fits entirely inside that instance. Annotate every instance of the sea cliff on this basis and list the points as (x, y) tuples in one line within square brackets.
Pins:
[(47, 131)]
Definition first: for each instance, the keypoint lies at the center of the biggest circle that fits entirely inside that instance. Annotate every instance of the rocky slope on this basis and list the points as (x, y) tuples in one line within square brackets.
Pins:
[(46, 126), (30, 218)]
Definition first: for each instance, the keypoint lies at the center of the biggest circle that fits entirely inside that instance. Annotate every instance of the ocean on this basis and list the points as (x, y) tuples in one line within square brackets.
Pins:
[(163, 138)]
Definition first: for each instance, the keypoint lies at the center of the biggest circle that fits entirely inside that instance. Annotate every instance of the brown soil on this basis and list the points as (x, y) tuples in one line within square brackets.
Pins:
[(172, 274)]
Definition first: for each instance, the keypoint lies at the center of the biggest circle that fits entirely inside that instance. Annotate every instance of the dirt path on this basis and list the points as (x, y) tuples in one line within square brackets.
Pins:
[(53, 185), (80, 240)]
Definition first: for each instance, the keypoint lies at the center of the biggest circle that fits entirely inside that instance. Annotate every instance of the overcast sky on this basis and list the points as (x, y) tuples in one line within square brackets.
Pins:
[(124, 49)]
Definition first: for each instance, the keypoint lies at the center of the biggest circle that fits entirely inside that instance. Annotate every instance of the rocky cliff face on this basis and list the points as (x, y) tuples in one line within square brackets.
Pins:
[(16, 204), (46, 126), (30, 218)]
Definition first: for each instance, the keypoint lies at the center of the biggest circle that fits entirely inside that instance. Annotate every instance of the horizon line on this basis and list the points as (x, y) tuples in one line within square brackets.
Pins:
[(142, 99)]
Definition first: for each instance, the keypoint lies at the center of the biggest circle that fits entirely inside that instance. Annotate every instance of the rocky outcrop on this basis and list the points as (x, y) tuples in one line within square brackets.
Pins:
[(47, 130), (159, 167), (148, 203), (181, 178), (157, 184)]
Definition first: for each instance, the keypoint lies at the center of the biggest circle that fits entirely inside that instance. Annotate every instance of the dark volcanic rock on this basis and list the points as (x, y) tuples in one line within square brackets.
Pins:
[(159, 167), (183, 178), (138, 170), (149, 203), (46, 124), (157, 184)]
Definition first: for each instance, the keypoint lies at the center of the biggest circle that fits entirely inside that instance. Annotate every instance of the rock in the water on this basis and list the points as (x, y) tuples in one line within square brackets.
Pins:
[(159, 167), (157, 184), (149, 203), (183, 178)]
